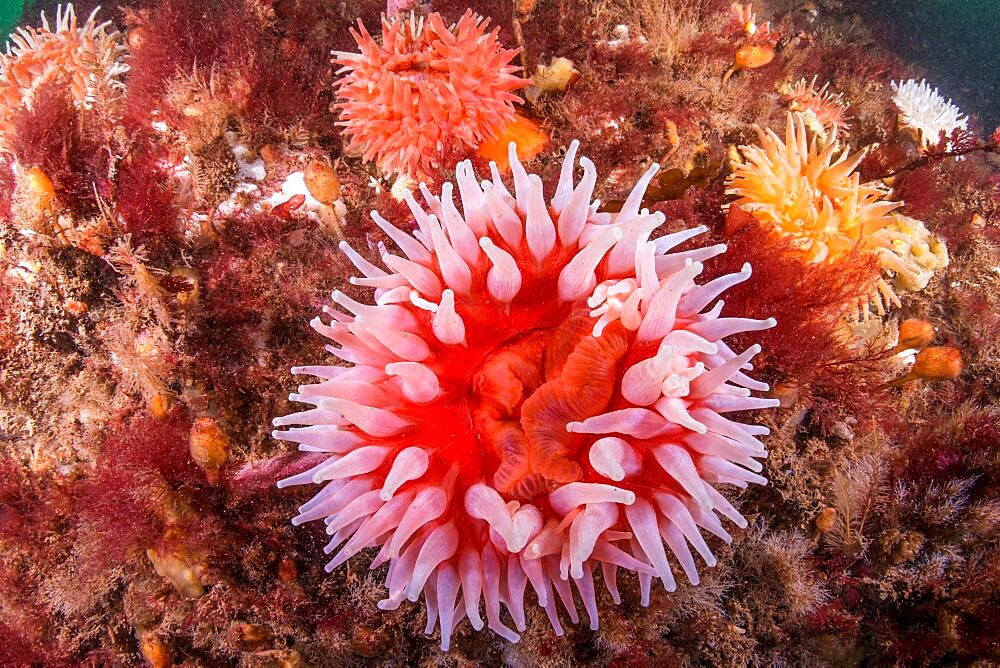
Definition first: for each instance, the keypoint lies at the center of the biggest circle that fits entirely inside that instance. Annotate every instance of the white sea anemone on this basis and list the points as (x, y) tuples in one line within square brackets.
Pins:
[(923, 109)]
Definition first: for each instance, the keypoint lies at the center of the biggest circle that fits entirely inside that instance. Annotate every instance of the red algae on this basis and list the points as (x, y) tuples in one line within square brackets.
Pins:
[(809, 337), (273, 58), (72, 152), (146, 203)]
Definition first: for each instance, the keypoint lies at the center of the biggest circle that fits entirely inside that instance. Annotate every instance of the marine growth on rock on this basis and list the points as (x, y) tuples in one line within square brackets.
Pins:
[(87, 58)]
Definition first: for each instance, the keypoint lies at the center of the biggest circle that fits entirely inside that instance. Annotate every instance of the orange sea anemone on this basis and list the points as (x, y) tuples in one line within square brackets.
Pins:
[(425, 85), (88, 58), (538, 391), (806, 188)]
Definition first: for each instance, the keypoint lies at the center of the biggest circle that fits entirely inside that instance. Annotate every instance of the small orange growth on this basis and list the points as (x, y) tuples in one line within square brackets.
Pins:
[(787, 393), (748, 57), (529, 138), (288, 572), (250, 635), (938, 363), (159, 406), (752, 56), (209, 447), (322, 182), (825, 520), (269, 153), (915, 333), (155, 651), (933, 364), (40, 189), (75, 306), (180, 567)]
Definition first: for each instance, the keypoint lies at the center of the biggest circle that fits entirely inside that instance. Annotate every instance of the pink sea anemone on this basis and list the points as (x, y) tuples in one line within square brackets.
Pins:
[(88, 58), (538, 391), (424, 86), (822, 110)]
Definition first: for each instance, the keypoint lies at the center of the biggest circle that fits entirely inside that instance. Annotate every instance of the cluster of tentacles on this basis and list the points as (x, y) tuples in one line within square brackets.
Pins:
[(539, 390)]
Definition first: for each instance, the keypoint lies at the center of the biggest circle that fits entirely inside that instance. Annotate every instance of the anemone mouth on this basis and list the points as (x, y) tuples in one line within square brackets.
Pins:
[(527, 391)]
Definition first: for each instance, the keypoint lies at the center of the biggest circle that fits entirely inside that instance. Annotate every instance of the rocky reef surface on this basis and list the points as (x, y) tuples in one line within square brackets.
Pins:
[(177, 179)]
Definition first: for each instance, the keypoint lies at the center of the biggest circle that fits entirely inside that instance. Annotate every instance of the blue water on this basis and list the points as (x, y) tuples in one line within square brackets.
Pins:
[(954, 43)]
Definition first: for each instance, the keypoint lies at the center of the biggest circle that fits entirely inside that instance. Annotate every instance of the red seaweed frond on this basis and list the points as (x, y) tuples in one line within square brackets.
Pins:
[(809, 300), (54, 136), (146, 198), (124, 504)]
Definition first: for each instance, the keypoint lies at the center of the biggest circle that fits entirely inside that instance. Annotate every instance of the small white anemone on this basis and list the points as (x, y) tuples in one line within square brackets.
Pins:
[(923, 109)]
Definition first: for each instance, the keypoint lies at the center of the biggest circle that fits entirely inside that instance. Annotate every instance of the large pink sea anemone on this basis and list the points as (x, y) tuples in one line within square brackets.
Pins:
[(538, 391), (425, 85)]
